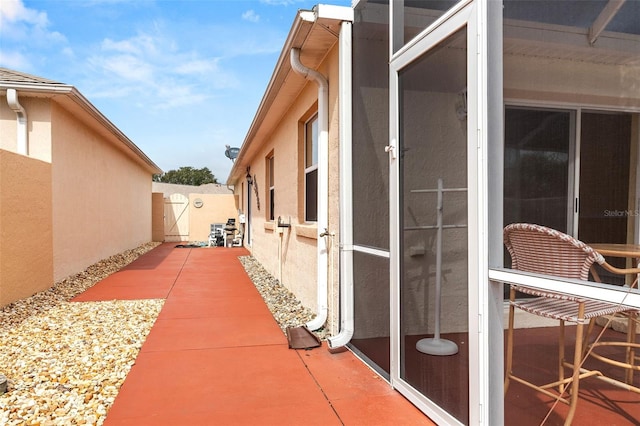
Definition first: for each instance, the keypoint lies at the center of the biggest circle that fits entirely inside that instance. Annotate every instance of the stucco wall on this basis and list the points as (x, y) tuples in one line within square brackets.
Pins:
[(216, 208), (101, 197), (297, 264), (26, 242)]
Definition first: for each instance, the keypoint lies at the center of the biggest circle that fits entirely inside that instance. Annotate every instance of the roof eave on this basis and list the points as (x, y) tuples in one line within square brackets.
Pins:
[(70, 92)]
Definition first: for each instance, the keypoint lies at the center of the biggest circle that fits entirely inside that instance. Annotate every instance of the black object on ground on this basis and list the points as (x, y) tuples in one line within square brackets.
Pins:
[(302, 338)]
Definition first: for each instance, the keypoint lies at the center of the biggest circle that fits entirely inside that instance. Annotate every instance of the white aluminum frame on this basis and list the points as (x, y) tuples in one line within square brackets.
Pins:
[(471, 14)]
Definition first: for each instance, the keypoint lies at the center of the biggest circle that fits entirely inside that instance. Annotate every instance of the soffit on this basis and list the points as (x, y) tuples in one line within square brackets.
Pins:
[(543, 29), (523, 38)]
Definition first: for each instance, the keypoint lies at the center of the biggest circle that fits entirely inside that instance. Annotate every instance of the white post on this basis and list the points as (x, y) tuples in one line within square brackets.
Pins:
[(436, 345)]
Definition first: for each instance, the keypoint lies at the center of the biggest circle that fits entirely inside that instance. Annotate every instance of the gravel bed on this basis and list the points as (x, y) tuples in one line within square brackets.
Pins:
[(65, 362), (67, 289), (284, 306), (66, 366)]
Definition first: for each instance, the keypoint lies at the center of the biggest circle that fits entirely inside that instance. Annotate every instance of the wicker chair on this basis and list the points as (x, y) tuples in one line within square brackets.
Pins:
[(538, 249)]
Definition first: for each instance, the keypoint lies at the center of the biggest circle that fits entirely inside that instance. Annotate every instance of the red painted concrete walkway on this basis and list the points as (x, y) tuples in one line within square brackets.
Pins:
[(216, 356)]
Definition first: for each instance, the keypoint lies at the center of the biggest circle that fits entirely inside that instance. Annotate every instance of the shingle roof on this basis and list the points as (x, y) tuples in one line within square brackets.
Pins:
[(11, 76)]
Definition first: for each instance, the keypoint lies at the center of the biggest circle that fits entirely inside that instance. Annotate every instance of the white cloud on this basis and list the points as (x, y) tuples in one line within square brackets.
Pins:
[(152, 68), (126, 46), (251, 16), (142, 44), (30, 26), (14, 60), (12, 11), (68, 52), (198, 66), (280, 2), (125, 67)]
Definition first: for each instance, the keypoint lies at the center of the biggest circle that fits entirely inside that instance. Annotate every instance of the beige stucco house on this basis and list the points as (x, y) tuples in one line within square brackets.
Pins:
[(73, 188)]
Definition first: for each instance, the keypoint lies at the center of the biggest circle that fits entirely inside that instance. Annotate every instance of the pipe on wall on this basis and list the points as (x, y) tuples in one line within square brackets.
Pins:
[(21, 118), (346, 194), (323, 184)]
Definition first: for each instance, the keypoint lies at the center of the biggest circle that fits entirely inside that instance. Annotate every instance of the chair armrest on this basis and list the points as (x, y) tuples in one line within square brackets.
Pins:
[(624, 271), (618, 271)]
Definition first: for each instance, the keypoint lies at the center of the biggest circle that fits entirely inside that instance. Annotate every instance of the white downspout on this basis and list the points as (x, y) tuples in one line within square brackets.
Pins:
[(21, 118), (346, 193), (323, 184)]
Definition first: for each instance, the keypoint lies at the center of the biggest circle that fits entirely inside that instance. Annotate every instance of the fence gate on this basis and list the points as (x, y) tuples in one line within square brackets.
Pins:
[(176, 218)]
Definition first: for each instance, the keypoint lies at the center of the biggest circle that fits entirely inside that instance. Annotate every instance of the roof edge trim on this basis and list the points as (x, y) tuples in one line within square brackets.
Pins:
[(53, 88), (70, 91), (329, 11)]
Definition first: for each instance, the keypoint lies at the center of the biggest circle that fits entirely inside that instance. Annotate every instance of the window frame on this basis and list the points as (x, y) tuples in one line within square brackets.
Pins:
[(270, 179), (310, 168)]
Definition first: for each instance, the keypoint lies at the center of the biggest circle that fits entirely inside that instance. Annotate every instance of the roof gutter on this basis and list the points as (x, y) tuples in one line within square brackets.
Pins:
[(21, 119), (323, 185)]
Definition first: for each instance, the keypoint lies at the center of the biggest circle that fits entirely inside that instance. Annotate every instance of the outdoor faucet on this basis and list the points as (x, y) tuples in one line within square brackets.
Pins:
[(325, 233)]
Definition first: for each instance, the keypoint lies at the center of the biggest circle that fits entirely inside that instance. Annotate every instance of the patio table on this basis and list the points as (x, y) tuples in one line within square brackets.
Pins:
[(618, 250)]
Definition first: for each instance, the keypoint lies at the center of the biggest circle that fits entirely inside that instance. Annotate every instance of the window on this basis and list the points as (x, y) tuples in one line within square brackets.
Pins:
[(311, 170), (557, 173), (271, 180)]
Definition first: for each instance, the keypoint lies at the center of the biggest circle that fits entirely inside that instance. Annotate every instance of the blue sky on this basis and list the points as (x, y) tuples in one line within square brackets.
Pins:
[(181, 78)]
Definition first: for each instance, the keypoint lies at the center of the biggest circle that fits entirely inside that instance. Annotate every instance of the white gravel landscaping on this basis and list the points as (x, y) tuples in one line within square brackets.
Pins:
[(65, 361)]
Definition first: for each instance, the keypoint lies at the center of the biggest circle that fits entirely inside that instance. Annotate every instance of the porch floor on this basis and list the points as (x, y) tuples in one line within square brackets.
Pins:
[(216, 356), (445, 379), (600, 403)]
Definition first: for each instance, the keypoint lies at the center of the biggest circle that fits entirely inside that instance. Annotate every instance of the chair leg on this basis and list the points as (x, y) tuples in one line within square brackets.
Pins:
[(561, 357), (509, 360), (631, 339), (585, 340), (577, 362)]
